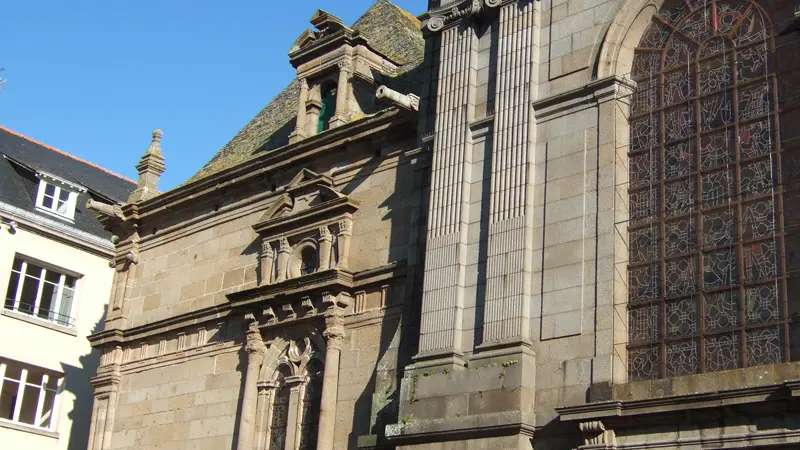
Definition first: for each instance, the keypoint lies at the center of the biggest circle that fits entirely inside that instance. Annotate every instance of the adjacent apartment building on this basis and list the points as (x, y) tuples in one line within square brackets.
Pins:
[(502, 224), (54, 272)]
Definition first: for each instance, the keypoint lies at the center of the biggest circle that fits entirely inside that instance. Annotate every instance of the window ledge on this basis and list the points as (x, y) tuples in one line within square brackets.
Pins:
[(41, 323), (27, 429)]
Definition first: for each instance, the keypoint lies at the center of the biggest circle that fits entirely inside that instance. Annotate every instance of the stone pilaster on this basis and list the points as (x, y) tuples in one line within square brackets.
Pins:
[(255, 348), (510, 247), (284, 252), (342, 94), (313, 108), (106, 393), (448, 217), (334, 336), (325, 242), (343, 242), (300, 126), (267, 262)]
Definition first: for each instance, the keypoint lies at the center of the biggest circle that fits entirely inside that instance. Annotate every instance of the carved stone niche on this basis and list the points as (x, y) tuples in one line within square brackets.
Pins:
[(307, 229)]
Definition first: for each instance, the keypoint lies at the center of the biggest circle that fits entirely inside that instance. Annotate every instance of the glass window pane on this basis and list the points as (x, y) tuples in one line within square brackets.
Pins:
[(47, 409), (52, 277), (17, 264), (8, 398), (70, 281), (11, 292), (63, 196), (47, 202), (48, 301), (62, 208), (65, 310), (29, 402), (34, 270), (50, 190), (27, 300), (13, 370)]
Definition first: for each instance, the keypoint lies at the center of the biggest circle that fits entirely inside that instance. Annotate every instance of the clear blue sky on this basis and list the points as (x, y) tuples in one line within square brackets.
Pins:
[(95, 77)]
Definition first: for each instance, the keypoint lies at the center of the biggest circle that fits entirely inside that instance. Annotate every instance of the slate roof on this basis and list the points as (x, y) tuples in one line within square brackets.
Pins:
[(21, 157), (388, 28)]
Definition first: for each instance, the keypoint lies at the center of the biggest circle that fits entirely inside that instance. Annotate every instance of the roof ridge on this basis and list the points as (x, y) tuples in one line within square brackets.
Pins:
[(62, 152)]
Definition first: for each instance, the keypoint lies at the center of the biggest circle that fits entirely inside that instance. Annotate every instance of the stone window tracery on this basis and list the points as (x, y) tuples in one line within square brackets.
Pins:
[(280, 411), (706, 279)]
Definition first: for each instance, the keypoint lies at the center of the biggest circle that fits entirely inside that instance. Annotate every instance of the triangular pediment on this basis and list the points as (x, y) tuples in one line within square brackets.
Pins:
[(326, 22), (306, 191), (305, 39)]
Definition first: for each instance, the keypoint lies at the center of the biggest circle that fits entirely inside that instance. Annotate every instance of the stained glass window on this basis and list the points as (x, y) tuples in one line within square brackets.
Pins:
[(312, 396), (279, 413), (708, 264)]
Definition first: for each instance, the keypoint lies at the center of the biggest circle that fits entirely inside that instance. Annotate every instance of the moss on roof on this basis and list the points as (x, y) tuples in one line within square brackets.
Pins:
[(389, 29)]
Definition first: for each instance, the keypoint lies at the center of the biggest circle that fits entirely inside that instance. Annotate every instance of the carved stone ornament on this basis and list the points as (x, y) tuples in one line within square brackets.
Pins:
[(345, 227), (303, 83), (283, 245), (269, 315), (324, 234), (254, 344), (300, 357), (288, 311), (345, 66), (595, 435), (470, 8)]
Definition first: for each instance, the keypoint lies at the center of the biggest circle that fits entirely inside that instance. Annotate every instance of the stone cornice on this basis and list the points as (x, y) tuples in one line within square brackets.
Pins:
[(272, 161), (609, 88), (622, 411), (55, 229), (474, 426), (289, 288), (310, 218)]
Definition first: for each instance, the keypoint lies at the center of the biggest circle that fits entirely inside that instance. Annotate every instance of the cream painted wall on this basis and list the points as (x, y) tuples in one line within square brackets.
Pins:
[(40, 346)]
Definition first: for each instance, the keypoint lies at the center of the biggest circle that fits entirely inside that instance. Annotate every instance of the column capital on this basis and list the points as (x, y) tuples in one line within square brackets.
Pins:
[(266, 248), (254, 344), (345, 66), (283, 246), (303, 83), (346, 227), (325, 234), (334, 337), (295, 381)]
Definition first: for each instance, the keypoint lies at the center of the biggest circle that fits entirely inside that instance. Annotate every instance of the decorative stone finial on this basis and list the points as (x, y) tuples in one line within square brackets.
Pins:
[(150, 169), (155, 145)]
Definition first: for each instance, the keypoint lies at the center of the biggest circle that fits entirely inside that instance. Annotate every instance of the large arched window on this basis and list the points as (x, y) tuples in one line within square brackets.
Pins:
[(707, 280), (312, 395), (280, 411)]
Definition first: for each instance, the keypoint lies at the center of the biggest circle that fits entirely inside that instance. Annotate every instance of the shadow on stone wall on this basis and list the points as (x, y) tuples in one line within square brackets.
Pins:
[(76, 381)]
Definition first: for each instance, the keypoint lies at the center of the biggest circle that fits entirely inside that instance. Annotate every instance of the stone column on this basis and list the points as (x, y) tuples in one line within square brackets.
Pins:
[(343, 242), (325, 240), (334, 336), (284, 252), (342, 93), (267, 262), (255, 348), (313, 108), (300, 127), (296, 384)]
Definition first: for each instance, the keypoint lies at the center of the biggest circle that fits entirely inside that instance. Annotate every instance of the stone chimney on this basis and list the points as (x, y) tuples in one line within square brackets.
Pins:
[(150, 169)]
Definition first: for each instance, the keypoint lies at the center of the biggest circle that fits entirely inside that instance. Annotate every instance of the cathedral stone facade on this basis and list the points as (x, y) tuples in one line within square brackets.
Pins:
[(505, 224)]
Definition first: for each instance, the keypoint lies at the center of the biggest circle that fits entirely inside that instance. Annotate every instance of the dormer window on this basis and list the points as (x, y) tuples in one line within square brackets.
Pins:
[(56, 196)]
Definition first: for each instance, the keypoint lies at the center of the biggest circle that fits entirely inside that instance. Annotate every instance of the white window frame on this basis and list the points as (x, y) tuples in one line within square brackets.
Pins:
[(62, 274), (22, 383), (60, 185), (71, 201)]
